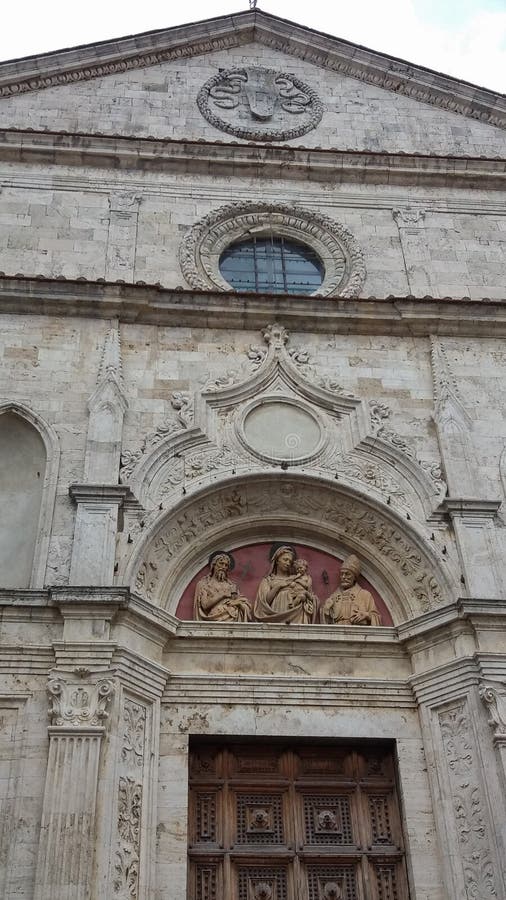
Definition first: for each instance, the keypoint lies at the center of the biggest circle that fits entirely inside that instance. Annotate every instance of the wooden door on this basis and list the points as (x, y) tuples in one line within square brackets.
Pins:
[(294, 823)]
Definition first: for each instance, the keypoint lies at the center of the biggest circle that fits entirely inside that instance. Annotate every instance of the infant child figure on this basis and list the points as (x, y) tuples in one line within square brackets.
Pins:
[(302, 586)]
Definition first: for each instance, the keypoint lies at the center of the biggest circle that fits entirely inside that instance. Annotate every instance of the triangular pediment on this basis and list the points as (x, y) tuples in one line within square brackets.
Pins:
[(226, 33)]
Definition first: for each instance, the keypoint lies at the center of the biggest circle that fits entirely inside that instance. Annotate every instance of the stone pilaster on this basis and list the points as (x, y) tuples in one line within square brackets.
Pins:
[(122, 236), (107, 406), (471, 513), (94, 547), (410, 223), (67, 838), (125, 860), (466, 785), (99, 498)]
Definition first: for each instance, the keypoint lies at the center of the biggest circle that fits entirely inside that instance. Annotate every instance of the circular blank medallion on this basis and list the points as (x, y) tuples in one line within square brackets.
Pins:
[(282, 431)]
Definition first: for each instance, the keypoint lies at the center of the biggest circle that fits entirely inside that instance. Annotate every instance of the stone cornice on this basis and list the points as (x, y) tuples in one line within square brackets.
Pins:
[(100, 493), (277, 161), (153, 48), (273, 690), (156, 305), (119, 602), (470, 508)]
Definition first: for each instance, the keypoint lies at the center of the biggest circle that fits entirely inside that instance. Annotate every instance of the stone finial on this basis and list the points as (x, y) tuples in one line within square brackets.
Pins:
[(494, 698), (445, 383), (78, 705), (110, 363)]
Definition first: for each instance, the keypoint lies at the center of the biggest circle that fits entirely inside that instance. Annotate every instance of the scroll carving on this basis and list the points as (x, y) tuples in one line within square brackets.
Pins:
[(260, 104), (134, 718), (79, 705), (127, 856), (380, 414), (494, 698), (182, 417), (469, 812)]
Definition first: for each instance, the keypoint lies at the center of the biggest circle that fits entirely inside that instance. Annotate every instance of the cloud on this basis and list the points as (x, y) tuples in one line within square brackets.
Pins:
[(463, 38)]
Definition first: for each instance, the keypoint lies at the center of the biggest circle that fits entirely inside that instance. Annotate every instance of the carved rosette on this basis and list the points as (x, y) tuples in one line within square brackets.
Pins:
[(203, 245), (79, 705), (260, 104)]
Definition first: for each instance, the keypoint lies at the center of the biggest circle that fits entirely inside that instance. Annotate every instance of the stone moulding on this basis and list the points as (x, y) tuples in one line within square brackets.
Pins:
[(295, 163), (228, 83), (112, 57), (202, 246), (403, 565)]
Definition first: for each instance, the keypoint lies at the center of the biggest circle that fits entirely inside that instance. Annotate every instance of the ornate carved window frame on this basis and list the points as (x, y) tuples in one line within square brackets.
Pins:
[(203, 245)]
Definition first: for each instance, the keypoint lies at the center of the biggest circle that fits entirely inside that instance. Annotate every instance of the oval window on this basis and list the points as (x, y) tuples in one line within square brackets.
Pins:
[(272, 265)]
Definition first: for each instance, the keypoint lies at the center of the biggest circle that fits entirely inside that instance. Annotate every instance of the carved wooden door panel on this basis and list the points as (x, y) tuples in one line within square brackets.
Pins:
[(298, 823)]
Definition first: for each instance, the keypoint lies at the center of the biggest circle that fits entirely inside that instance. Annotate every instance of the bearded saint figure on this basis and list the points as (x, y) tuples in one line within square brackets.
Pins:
[(216, 596), (285, 595), (350, 604)]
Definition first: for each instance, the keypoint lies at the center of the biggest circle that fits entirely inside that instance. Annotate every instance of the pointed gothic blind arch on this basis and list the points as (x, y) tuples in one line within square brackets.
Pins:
[(23, 462)]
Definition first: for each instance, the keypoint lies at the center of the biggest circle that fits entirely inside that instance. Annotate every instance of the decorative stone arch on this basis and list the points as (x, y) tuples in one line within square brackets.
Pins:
[(350, 450), (411, 576), (203, 245), (52, 447)]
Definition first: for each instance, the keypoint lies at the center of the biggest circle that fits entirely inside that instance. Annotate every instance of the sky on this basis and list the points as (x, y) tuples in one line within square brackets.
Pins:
[(463, 38)]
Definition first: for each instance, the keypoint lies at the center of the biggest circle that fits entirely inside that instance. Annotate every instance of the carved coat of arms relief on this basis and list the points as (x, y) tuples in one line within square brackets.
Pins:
[(260, 104)]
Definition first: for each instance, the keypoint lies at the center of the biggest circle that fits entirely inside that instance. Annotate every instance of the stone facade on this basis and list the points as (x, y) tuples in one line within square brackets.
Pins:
[(136, 373)]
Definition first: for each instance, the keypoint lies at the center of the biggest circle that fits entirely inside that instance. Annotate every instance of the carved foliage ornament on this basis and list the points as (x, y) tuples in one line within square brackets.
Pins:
[(127, 856), (468, 806), (203, 245), (79, 705), (260, 104), (181, 419), (349, 520)]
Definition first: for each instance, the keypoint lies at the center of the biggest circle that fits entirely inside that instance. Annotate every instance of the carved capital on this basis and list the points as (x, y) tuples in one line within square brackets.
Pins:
[(494, 698), (125, 204), (409, 217), (78, 704)]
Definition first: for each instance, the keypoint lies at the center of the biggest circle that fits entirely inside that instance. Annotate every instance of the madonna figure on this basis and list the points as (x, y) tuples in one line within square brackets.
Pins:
[(285, 594)]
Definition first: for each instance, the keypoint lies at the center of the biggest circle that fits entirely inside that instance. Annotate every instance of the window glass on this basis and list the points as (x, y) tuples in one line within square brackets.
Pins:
[(272, 265)]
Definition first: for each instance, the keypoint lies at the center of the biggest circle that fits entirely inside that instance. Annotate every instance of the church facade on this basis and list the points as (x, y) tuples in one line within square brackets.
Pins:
[(252, 465)]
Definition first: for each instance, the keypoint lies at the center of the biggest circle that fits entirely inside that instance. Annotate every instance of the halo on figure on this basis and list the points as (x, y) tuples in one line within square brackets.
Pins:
[(216, 553), (278, 547)]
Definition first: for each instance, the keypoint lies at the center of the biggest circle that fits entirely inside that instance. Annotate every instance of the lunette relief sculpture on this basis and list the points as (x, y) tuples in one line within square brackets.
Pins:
[(350, 604), (216, 596), (284, 595)]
